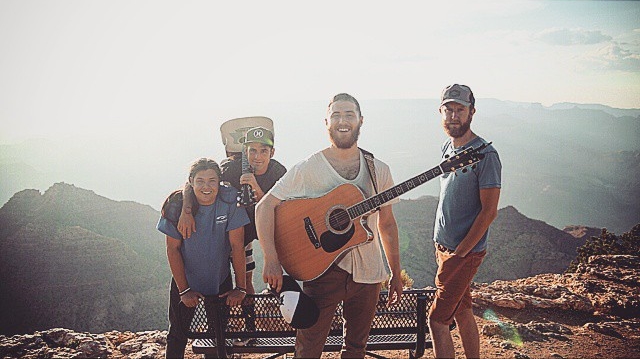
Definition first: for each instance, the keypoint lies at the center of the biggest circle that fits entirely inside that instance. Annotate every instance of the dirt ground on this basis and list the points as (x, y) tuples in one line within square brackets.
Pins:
[(613, 338)]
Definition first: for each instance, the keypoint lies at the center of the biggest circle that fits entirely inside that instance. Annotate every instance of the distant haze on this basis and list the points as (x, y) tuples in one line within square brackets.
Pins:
[(119, 96), (567, 164)]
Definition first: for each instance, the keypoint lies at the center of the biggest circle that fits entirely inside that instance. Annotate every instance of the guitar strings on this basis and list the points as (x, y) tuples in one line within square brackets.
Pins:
[(343, 217)]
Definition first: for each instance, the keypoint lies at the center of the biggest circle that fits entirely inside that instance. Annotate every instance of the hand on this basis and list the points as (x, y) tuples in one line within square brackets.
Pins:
[(191, 298), (186, 225), (395, 290), (272, 274), (250, 179), (461, 255), (234, 297)]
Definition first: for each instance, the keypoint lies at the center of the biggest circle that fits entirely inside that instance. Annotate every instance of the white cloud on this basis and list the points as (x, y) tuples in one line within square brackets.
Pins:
[(569, 37), (616, 57)]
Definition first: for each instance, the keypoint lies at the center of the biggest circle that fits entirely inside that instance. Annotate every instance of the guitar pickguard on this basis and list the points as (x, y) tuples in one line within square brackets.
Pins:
[(332, 242)]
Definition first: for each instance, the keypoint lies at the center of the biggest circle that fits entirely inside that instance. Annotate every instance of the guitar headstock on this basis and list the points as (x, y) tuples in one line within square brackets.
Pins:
[(246, 196), (463, 159)]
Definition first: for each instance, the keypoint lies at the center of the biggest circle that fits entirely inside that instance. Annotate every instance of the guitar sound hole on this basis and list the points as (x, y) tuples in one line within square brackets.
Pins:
[(339, 220)]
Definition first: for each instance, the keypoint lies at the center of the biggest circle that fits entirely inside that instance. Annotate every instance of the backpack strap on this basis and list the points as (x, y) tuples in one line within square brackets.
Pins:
[(368, 156), (227, 203), (172, 207)]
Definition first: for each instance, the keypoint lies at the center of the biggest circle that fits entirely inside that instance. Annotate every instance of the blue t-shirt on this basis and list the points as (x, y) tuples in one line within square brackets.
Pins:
[(206, 253), (459, 203)]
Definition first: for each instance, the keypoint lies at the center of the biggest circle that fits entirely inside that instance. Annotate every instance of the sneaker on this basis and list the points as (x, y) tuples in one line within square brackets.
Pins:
[(238, 342)]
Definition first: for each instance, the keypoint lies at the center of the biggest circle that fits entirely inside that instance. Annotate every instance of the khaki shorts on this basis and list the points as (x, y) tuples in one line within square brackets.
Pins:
[(453, 281)]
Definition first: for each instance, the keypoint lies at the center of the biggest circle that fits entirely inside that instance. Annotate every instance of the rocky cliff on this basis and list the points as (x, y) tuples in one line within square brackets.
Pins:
[(591, 313), (71, 258)]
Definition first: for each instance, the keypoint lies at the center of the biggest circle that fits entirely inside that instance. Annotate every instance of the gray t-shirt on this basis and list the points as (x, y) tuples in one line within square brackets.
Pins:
[(459, 203)]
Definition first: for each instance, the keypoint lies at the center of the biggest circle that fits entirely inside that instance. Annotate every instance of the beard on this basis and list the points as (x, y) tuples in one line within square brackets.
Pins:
[(457, 132), (344, 143)]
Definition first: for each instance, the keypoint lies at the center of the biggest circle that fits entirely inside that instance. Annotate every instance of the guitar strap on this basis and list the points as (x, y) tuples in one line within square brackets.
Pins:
[(368, 156)]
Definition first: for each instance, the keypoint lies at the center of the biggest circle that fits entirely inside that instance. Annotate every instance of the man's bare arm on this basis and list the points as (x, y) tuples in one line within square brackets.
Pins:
[(388, 229), (235, 297), (186, 222), (489, 199), (176, 264), (265, 216)]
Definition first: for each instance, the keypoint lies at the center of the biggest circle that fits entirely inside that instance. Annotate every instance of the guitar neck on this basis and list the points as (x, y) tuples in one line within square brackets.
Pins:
[(371, 203), (246, 168)]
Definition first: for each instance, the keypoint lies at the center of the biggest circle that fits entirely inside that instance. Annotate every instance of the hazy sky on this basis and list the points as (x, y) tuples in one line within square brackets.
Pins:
[(73, 66)]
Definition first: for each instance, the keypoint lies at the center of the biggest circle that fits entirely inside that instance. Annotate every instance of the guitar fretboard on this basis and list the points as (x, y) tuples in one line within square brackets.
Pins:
[(246, 168), (378, 200)]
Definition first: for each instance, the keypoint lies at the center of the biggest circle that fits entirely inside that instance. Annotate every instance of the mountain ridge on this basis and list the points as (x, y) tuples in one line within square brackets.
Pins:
[(564, 164), (55, 252), (106, 259), (550, 249)]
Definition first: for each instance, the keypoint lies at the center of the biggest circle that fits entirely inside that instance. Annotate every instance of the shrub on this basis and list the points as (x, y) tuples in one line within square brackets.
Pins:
[(607, 243)]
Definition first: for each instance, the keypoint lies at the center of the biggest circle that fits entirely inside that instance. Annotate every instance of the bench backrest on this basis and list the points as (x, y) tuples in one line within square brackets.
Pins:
[(260, 316)]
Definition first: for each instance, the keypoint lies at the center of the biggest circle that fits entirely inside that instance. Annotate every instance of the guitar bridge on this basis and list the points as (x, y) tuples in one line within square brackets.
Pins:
[(311, 232)]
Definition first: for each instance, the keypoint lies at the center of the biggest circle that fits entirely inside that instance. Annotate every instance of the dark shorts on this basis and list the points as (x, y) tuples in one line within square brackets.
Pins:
[(453, 282)]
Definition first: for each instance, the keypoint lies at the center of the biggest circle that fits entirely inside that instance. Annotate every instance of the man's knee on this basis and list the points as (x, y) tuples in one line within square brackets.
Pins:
[(437, 326), (433, 321), (465, 317)]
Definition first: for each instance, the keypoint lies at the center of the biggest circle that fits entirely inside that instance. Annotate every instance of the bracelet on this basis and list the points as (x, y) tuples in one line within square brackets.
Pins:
[(241, 289), (185, 291)]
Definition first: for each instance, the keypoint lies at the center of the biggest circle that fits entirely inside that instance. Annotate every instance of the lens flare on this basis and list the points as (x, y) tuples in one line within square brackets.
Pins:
[(509, 332)]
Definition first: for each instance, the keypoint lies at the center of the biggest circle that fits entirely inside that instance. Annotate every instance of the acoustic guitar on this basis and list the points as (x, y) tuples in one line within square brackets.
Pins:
[(311, 233)]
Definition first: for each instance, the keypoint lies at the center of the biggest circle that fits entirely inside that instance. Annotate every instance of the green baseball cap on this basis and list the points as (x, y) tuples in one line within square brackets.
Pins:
[(260, 135), (234, 130)]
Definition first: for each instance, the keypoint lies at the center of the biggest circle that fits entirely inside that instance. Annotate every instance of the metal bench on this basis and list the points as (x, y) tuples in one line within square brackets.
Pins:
[(400, 327)]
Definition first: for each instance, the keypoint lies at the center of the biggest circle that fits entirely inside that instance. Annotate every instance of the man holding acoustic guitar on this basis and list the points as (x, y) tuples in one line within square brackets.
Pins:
[(303, 227)]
